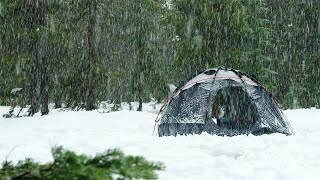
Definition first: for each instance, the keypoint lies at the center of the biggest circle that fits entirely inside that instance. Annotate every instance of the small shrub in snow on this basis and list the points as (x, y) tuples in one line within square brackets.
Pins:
[(112, 164)]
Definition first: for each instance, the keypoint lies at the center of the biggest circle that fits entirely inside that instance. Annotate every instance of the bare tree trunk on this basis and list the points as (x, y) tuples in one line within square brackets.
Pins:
[(57, 92), (38, 75), (44, 84), (34, 81), (57, 89), (141, 58), (140, 91), (34, 74), (57, 100), (90, 93), (34, 108), (140, 77)]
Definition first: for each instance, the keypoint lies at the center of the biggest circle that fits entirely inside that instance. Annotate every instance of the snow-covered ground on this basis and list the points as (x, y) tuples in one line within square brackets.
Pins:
[(195, 157)]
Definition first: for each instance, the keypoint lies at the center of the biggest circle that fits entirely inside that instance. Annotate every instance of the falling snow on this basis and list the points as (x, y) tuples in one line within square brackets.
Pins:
[(100, 55)]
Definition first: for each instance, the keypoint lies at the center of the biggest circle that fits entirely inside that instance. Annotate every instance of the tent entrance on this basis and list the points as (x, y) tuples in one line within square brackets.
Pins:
[(233, 109)]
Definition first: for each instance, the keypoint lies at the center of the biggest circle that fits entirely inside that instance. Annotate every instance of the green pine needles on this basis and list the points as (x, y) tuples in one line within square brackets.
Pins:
[(112, 164)]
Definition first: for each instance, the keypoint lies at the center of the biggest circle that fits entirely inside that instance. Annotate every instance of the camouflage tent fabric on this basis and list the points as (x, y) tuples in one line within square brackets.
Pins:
[(253, 108)]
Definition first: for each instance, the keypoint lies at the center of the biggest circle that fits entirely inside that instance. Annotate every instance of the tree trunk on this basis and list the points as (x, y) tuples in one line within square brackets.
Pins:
[(140, 88), (44, 84), (141, 60), (140, 104), (34, 108), (90, 93), (140, 76), (57, 99), (57, 92), (38, 88)]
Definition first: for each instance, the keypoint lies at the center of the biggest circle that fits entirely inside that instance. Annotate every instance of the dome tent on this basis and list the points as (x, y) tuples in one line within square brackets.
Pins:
[(249, 106)]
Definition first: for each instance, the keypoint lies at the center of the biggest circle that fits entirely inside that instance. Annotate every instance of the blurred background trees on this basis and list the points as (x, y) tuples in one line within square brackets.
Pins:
[(78, 53)]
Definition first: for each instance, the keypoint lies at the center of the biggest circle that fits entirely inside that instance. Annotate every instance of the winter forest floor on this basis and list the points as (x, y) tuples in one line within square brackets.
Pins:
[(194, 157)]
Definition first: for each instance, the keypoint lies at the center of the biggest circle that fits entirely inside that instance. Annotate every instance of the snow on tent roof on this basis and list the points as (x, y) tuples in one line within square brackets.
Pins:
[(210, 74)]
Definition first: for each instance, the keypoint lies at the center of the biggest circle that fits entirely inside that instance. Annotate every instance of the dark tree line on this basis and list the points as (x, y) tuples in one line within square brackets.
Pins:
[(79, 53)]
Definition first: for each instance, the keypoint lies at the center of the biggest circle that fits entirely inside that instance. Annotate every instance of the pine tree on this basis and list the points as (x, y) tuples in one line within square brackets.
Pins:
[(25, 39), (112, 164)]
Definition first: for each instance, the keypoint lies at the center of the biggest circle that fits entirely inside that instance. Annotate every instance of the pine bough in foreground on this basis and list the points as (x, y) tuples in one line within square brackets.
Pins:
[(112, 164)]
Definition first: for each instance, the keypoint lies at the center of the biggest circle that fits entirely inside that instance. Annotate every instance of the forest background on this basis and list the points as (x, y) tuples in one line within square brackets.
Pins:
[(77, 53)]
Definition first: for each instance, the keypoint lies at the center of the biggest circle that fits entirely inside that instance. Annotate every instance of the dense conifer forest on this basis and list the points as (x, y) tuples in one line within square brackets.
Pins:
[(77, 53)]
